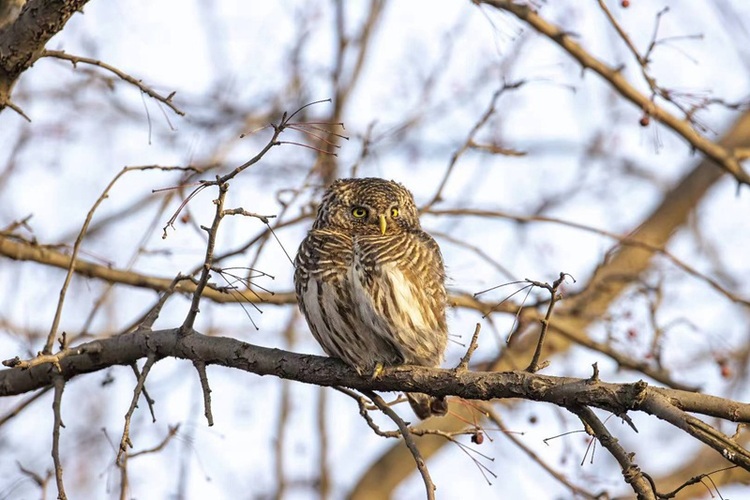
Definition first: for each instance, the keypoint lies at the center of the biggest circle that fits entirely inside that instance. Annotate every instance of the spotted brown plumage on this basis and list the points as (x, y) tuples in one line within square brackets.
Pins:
[(370, 282)]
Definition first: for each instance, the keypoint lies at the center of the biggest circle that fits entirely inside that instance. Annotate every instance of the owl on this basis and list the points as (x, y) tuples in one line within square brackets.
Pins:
[(371, 282)]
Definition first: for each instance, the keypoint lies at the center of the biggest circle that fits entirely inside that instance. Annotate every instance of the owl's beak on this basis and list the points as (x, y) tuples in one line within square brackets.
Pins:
[(382, 223)]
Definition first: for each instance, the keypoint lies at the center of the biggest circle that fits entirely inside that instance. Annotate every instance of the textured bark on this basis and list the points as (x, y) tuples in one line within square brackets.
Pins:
[(232, 353), (23, 40)]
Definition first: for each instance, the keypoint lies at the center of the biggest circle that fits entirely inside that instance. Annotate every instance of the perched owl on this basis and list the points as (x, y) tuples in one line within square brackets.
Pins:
[(370, 282)]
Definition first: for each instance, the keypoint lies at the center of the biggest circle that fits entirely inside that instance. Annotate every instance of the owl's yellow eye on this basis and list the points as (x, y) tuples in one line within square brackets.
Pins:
[(359, 212), (394, 212)]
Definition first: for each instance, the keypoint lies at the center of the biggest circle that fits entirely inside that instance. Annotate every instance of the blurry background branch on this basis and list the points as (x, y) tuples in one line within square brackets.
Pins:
[(723, 155)]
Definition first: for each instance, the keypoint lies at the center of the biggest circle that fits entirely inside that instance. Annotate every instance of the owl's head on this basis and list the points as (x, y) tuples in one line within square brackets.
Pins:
[(367, 206)]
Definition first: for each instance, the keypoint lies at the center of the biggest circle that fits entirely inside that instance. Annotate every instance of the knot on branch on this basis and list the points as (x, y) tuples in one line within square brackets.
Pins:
[(632, 473), (634, 395), (12, 362)]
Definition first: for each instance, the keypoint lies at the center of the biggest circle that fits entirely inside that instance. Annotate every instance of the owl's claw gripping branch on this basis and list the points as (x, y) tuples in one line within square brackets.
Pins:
[(377, 371)]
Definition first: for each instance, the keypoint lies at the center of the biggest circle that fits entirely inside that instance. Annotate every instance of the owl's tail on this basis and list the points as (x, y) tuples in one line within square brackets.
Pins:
[(425, 406)]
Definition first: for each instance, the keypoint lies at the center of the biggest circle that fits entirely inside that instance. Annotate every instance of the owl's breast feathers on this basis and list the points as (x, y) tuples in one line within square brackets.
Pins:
[(385, 291)]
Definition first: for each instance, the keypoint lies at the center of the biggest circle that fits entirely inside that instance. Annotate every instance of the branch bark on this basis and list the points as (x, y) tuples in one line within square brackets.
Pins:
[(566, 392), (23, 41)]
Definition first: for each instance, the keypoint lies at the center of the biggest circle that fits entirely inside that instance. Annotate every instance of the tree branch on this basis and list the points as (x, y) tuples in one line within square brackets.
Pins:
[(565, 392)]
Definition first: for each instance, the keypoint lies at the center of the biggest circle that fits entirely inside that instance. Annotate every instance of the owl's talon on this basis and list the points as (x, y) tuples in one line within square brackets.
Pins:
[(377, 371)]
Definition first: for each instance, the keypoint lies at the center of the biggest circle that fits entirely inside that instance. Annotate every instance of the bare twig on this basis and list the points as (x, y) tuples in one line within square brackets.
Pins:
[(125, 441), (408, 440), (208, 260), (75, 60), (153, 314), (15, 108), (463, 365), (534, 366), (279, 443), (245, 213), (149, 400), (576, 490), (39, 480), (324, 482), (59, 384), (693, 480), (622, 240), (171, 432), (630, 470), (469, 141), (200, 367)]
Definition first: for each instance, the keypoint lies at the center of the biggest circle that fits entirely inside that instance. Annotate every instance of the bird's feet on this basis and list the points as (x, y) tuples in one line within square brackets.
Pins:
[(376, 371)]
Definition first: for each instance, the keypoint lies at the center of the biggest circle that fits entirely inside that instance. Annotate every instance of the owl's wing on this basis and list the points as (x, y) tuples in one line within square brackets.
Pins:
[(323, 255)]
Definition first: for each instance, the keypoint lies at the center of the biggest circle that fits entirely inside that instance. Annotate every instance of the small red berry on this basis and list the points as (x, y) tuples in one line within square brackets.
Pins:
[(477, 438), (625, 4), (645, 120), (726, 370)]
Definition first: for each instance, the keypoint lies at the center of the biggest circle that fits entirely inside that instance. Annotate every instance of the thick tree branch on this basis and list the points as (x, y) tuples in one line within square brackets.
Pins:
[(565, 392)]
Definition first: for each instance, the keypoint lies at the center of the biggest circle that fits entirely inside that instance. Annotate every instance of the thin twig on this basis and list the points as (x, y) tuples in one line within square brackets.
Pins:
[(149, 400), (76, 249), (693, 480), (187, 325), (15, 108), (125, 441), (534, 366), (171, 432), (408, 440), (75, 60), (622, 240), (494, 417), (153, 314), (469, 141), (630, 470), (200, 367), (59, 383), (245, 213), (324, 481), (463, 365), (39, 480), (281, 429)]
